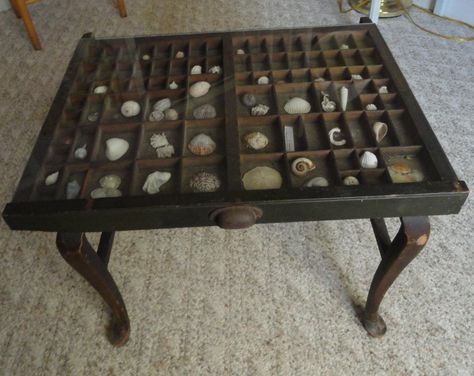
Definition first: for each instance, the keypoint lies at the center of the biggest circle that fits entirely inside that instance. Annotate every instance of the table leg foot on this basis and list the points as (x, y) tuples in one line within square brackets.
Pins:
[(396, 255), (77, 251)]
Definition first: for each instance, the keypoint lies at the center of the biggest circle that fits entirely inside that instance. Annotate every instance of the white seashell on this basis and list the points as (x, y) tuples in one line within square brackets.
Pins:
[(301, 166), (115, 148), (105, 192), (327, 104), (130, 109), (202, 144), (344, 94), (264, 80), (380, 130), (262, 177), (356, 77), (166, 151), (81, 152), (146, 57), (196, 69), (371, 107), (297, 105), (179, 55), (344, 47), (156, 116), (318, 181), (383, 90), (51, 179), (154, 181), (205, 111), (102, 89), (173, 85), (351, 180), (158, 140), (368, 160), (199, 89), (110, 181), (93, 116), (240, 52), (336, 137), (162, 105), (256, 140), (72, 189), (259, 110), (319, 79), (205, 182), (171, 114), (216, 69)]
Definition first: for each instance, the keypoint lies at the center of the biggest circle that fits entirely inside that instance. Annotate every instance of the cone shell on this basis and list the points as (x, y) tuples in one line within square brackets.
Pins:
[(344, 93)]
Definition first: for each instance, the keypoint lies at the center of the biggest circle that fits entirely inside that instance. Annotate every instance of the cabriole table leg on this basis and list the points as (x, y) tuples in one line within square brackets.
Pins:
[(77, 251), (396, 255)]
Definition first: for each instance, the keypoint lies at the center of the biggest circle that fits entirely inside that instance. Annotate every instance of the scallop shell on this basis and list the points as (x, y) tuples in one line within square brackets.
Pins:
[(81, 152), (259, 110), (110, 181), (115, 148), (51, 178), (327, 104), (351, 180), (156, 115), (256, 140), (336, 137), (171, 114), (202, 144), (105, 192), (130, 108), (162, 105), (368, 160), (380, 130), (383, 90), (371, 107), (102, 89), (179, 55), (199, 89), (72, 189), (262, 177), (204, 182), (216, 69), (154, 181), (196, 69), (264, 80), (173, 85), (301, 166), (240, 52), (344, 94), (206, 111), (356, 77), (297, 105), (318, 181)]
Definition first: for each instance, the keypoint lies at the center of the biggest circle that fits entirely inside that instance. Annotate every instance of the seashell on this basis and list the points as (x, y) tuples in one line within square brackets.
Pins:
[(383, 90), (264, 80), (171, 114), (327, 104), (156, 116), (256, 140), (115, 148), (216, 69), (51, 179), (371, 107), (158, 140), (206, 111), (146, 57), (102, 89), (336, 137), (162, 105), (344, 46), (319, 79), (173, 85), (356, 77), (196, 69), (110, 181), (166, 151), (318, 181), (72, 189), (199, 89), (249, 100), (259, 110), (202, 144), (344, 94), (105, 192), (402, 173), (262, 177), (154, 181), (297, 105), (93, 116), (81, 152), (301, 166), (380, 129), (204, 182), (179, 55), (368, 160), (240, 52), (351, 180), (130, 109)]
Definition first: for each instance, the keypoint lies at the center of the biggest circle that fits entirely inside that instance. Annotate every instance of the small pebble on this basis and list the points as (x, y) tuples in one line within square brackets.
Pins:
[(179, 55), (146, 57), (264, 80), (93, 116), (249, 100), (171, 114)]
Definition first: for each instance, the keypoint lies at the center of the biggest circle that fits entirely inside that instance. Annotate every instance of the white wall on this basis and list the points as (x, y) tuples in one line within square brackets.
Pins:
[(428, 4), (4, 5), (459, 9)]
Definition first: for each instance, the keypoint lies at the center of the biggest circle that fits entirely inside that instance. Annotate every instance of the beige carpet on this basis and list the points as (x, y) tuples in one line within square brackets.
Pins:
[(271, 300)]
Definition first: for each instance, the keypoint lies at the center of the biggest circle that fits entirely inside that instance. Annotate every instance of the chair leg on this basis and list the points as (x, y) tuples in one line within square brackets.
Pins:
[(30, 28), (122, 9), (15, 8)]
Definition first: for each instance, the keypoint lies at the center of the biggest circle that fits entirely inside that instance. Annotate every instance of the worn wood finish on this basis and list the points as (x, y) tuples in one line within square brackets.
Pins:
[(77, 251), (396, 255)]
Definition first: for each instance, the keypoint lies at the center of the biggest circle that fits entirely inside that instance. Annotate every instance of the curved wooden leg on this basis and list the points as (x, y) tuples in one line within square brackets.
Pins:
[(77, 251), (396, 255), (122, 9)]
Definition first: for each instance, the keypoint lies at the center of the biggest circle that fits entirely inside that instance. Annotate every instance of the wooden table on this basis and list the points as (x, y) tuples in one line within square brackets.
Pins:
[(411, 178)]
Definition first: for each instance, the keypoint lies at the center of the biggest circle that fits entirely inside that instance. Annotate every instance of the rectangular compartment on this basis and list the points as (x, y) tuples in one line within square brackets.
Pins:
[(242, 63), (177, 98), (352, 57), (296, 124), (337, 138), (370, 56), (174, 132), (404, 128), (85, 138), (301, 75), (324, 167), (315, 131), (369, 99), (121, 169), (391, 138), (339, 74), (279, 61), (333, 59), (72, 174), (260, 62), (268, 126), (213, 164), (357, 123), (214, 128), (160, 68), (93, 110), (376, 176), (178, 67), (275, 44), (264, 95), (353, 102), (144, 168), (128, 133), (214, 46), (297, 60), (112, 108), (346, 159), (301, 90), (275, 161), (281, 77), (392, 101), (315, 59)]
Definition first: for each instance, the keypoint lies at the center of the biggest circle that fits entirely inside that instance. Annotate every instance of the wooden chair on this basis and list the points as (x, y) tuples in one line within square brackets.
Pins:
[(21, 10)]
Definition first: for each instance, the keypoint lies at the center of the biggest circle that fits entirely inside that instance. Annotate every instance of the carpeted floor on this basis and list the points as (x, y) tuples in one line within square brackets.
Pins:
[(271, 300)]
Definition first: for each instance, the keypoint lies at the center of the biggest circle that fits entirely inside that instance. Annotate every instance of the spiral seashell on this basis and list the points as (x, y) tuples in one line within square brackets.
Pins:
[(380, 130), (369, 160), (199, 89), (301, 166), (297, 105), (336, 137)]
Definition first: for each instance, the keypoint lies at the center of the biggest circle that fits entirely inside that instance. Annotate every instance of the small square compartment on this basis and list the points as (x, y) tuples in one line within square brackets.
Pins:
[(346, 160), (163, 50), (213, 62), (242, 63), (215, 99), (93, 110), (301, 90), (178, 67), (378, 83), (333, 59), (275, 44), (366, 99), (180, 45), (315, 46), (123, 71), (96, 84), (146, 50), (214, 164), (353, 102), (281, 77), (60, 147), (198, 47), (92, 53), (364, 87), (404, 128), (352, 57), (377, 72), (260, 62), (257, 75), (118, 86), (181, 81), (47, 192), (336, 120), (320, 73), (128, 133), (105, 71), (380, 160), (275, 161), (194, 62), (72, 173), (244, 79), (359, 70), (177, 98), (279, 61), (123, 170), (357, 123), (302, 42), (297, 60), (345, 39), (370, 56), (354, 173), (214, 46), (157, 83), (391, 138), (160, 68), (316, 135), (339, 74), (363, 40), (326, 87), (112, 108), (85, 137), (315, 59), (377, 176), (87, 71), (213, 128), (241, 43), (256, 45), (136, 85), (327, 42), (300, 75), (268, 126), (391, 101), (263, 94), (296, 124), (324, 167), (145, 168), (81, 87), (173, 132)]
